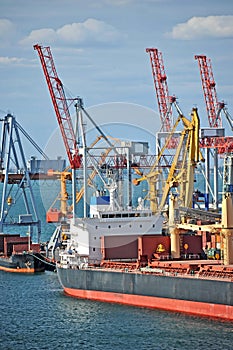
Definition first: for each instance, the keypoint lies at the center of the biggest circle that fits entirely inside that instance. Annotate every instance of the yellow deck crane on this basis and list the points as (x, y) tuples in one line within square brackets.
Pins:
[(181, 172), (180, 175)]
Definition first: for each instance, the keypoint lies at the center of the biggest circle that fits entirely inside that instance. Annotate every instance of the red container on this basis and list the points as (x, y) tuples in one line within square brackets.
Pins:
[(53, 215)]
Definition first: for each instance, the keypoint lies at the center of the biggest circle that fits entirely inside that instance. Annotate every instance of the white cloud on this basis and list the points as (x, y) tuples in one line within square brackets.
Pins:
[(202, 27), (10, 60), (6, 27), (89, 31), (7, 31), (39, 35)]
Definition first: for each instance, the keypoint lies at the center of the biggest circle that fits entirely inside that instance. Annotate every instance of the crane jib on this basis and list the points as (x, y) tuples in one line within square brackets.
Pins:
[(60, 105)]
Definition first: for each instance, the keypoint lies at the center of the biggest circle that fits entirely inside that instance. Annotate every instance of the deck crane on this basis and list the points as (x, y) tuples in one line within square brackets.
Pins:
[(182, 170)]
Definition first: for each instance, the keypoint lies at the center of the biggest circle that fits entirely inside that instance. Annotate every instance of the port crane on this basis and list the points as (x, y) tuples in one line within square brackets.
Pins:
[(210, 95), (213, 106), (161, 87), (61, 107), (60, 104), (16, 186), (213, 139), (165, 101)]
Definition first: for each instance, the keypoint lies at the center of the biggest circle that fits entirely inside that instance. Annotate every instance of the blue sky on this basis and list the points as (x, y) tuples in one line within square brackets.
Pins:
[(99, 52)]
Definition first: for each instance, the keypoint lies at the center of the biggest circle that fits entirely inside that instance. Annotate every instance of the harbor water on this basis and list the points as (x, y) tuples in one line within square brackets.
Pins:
[(35, 314)]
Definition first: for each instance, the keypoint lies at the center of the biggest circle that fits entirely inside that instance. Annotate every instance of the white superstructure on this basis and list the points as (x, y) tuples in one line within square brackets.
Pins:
[(86, 233)]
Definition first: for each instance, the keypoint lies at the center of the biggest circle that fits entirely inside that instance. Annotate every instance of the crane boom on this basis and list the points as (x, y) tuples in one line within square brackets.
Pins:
[(208, 84), (60, 105), (160, 82)]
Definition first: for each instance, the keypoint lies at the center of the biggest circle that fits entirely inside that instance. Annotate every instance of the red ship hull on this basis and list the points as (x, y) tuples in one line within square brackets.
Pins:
[(176, 305)]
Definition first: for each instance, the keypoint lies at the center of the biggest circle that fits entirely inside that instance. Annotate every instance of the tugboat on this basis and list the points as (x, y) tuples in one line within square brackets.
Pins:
[(16, 257)]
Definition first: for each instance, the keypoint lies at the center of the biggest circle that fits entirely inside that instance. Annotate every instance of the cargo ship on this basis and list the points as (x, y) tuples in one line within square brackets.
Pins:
[(131, 256), (125, 257)]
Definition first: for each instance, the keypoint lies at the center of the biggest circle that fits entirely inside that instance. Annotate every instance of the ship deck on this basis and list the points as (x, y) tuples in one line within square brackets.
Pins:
[(184, 268)]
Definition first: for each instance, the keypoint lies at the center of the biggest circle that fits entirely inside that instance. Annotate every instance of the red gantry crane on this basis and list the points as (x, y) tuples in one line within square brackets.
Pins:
[(208, 84), (61, 108), (160, 82), (214, 108), (60, 105), (214, 138), (165, 101)]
